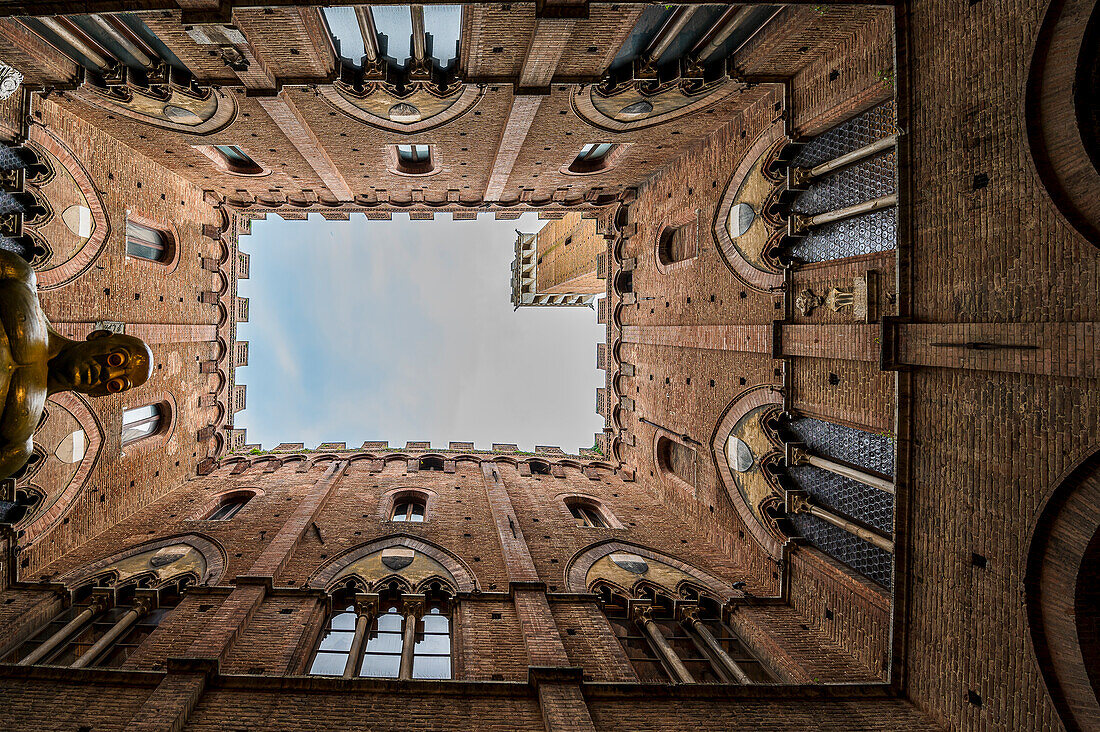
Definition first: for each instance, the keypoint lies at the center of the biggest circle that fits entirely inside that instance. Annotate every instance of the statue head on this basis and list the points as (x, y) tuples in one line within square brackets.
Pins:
[(105, 363)]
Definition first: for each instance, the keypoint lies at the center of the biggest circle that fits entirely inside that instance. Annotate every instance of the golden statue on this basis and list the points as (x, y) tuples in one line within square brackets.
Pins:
[(36, 361)]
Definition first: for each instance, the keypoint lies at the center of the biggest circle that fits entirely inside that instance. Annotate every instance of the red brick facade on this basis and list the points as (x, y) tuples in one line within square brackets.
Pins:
[(861, 445)]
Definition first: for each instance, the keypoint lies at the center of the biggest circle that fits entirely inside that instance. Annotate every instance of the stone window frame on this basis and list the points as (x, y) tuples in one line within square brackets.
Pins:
[(666, 473), (592, 503), (348, 598), (395, 166), (220, 499), (164, 430), (169, 264), (582, 167), (390, 498), (668, 227), (222, 163)]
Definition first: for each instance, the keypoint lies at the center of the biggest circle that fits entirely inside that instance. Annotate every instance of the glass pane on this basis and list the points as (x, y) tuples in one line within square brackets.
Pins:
[(344, 620), (329, 664), (444, 23), (235, 155), (144, 234), (138, 431), (388, 667), (394, 22), (226, 511), (339, 640), (433, 643), (345, 28), (586, 150), (431, 667), (390, 620), (436, 623), (137, 414), (417, 512), (385, 643), (601, 150), (141, 251)]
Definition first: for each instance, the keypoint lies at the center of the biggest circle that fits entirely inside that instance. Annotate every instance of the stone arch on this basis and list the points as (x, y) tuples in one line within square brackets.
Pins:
[(746, 266), (576, 569), (358, 106), (323, 457), (213, 555), (220, 107), (742, 405), (80, 262), (1061, 592), (464, 579), (86, 418), (595, 105), (222, 497), (1063, 122)]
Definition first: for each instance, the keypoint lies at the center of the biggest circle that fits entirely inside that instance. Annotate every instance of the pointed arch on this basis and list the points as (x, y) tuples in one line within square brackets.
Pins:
[(214, 557), (576, 569), (464, 579)]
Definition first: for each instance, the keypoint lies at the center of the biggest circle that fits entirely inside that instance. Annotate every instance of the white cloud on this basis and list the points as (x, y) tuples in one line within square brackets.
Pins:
[(404, 330)]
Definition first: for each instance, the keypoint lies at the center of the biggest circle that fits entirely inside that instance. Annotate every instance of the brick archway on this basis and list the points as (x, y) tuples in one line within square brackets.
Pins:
[(1061, 593)]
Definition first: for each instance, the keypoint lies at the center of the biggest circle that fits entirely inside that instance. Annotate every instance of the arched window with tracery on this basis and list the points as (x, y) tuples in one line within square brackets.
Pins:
[(847, 477), (847, 182), (391, 634), (103, 627), (677, 640)]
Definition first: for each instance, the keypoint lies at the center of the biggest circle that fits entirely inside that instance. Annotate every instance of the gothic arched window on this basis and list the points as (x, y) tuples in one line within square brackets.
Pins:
[(366, 636)]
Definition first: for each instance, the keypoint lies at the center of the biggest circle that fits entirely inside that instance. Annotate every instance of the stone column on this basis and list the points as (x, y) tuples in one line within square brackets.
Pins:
[(412, 607), (800, 503), (98, 605), (642, 614), (366, 608), (800, 224), (142, 606), (689, 618), (797, 454)]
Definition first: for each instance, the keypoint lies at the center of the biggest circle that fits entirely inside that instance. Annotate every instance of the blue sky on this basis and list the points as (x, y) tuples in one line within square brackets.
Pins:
[(404, 330)]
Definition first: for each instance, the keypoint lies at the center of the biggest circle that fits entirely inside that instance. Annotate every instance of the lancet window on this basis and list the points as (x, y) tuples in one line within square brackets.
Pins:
[(102, 629), (678, 640), (391, 634)]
